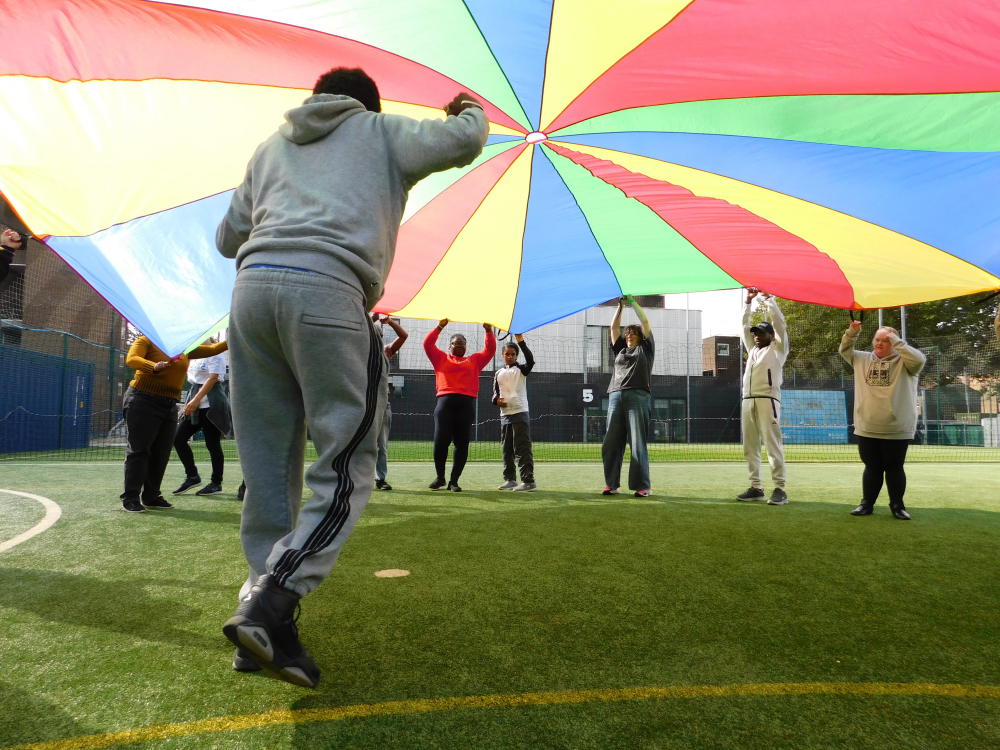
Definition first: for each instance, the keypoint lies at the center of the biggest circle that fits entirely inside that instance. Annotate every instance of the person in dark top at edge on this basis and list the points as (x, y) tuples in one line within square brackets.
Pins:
[(9, 242), (629, 404)]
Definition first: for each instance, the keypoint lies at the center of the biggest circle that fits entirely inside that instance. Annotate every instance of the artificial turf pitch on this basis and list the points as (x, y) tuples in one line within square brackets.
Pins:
[(559, 619)]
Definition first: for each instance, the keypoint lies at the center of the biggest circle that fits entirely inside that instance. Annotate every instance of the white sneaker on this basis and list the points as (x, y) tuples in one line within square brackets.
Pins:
[(611, 491), (526, 487), (508, 485)]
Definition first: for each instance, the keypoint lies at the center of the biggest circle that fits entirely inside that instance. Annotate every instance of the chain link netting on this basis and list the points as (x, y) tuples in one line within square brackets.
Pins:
[(63, 375)]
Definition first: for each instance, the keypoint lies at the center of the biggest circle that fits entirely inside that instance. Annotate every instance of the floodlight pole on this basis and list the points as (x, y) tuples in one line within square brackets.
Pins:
[(880, 318), (902, 322)]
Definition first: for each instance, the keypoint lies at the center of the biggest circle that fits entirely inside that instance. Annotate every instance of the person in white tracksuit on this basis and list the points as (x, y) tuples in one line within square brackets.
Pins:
[(767, 347)]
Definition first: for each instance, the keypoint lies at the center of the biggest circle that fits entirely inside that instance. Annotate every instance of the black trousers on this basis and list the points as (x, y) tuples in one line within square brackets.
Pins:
[(883, 458), (213, 441), (453, 418), (515, 438), (151, 422)]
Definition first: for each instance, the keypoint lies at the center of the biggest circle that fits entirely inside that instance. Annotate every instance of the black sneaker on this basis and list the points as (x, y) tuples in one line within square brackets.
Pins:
[(751, 495), (778, 497), (901, 514), (243, 662), (189, 482), (210, 489), (132, 506), (263, 626), (453, 486), (862, 510), (381, 484), (241, 493), (438, 483), (159, 502)]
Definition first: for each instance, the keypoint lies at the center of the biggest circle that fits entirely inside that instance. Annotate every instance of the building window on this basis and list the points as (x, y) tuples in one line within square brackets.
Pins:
[(722, 350), (599, 357)]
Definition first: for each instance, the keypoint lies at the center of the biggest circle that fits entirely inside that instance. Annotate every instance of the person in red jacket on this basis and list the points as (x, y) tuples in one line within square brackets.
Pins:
[(457, 379)]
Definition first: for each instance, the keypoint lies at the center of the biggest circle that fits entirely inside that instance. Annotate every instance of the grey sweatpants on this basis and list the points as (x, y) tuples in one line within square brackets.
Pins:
[(762, 421), (302, 351)]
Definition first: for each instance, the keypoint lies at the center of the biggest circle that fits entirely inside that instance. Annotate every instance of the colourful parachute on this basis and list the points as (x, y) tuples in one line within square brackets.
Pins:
[(841, 153)]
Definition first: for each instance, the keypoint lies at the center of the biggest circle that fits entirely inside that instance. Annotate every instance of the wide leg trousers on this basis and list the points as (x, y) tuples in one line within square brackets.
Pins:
[(762, 421)]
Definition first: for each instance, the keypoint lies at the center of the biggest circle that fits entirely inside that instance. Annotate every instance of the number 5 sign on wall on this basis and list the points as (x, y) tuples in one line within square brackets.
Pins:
[(588, 395)]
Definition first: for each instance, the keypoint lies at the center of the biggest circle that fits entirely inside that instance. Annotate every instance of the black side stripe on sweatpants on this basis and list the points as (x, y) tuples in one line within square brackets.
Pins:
[(340, 508)]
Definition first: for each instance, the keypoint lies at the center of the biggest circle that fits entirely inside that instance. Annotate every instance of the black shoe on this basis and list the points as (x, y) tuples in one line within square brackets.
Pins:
[(189, 482), (381, 484), (778, 497), (132, 506), (263, 626), (901, 514), (241, 493), (438, 483), (159, 502), (210, 489), (243, 662), (862, 510), (453, 486), (751, 494)]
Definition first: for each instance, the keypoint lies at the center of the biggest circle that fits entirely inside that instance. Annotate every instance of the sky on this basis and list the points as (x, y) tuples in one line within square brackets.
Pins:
[(721, 312)]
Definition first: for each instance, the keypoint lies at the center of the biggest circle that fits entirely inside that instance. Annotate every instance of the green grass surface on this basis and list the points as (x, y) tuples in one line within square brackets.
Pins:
[(110, 621)]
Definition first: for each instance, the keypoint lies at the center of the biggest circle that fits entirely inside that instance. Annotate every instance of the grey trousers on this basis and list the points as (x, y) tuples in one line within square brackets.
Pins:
[(382, 461), (302, 351), (515, 439), (762, 421)]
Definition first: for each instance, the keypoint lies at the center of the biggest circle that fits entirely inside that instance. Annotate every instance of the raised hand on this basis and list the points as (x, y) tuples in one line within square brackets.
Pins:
[(751, 293), (856, 325), (442, 323), (461, 103)]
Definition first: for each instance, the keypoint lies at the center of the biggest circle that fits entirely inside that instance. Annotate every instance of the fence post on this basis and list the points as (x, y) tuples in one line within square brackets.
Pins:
[(111, 375), (62, 388)]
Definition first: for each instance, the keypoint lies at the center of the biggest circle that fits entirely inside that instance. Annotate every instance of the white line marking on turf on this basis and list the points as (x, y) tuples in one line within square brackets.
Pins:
[(52, 514)]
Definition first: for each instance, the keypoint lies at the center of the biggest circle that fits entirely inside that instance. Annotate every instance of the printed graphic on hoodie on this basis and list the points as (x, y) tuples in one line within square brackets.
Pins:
[(877, 372)]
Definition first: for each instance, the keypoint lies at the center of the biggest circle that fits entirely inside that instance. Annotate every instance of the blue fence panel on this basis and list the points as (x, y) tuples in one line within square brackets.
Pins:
[(45, 401), (811, 417)]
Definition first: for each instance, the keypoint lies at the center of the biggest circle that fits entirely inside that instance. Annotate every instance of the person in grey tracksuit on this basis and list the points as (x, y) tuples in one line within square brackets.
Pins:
[(313, 230), (767, 350)]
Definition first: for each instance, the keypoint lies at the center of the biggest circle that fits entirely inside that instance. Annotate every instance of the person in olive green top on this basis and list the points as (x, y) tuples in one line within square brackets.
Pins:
[(885, 412), (150, 409)]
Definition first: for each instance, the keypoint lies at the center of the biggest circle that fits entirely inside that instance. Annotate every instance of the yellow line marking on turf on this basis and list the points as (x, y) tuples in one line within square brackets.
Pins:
[(52, 514), (429, 705)]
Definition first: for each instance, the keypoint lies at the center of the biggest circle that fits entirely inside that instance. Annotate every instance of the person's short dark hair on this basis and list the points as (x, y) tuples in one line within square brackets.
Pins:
[(457, 337), (511, 345), (352, 82), (637, 330)]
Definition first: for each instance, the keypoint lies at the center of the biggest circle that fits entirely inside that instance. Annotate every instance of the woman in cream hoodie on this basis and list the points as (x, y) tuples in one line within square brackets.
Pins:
[(885, 412)]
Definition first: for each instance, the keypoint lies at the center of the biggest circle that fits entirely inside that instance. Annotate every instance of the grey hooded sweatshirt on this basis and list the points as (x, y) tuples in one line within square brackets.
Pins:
[(327, 191), (885, 390)]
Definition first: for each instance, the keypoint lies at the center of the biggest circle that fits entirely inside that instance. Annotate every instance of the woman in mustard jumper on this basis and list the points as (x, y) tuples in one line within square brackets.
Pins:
[(150, 409)]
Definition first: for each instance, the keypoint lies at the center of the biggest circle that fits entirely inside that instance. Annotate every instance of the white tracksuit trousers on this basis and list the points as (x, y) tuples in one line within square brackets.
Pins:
[(762, 420)]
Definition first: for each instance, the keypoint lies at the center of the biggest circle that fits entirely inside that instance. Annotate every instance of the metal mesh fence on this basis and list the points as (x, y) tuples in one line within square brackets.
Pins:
[(63, 375)]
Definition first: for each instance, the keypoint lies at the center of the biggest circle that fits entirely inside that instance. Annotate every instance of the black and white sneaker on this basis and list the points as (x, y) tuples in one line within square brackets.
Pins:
[(210, 489), (778, 497), (132, 506), (264, 628), (751, 495), (453, 486), (159, 502), (243, 662), (381, 484), (189, 482), (438, 483)]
